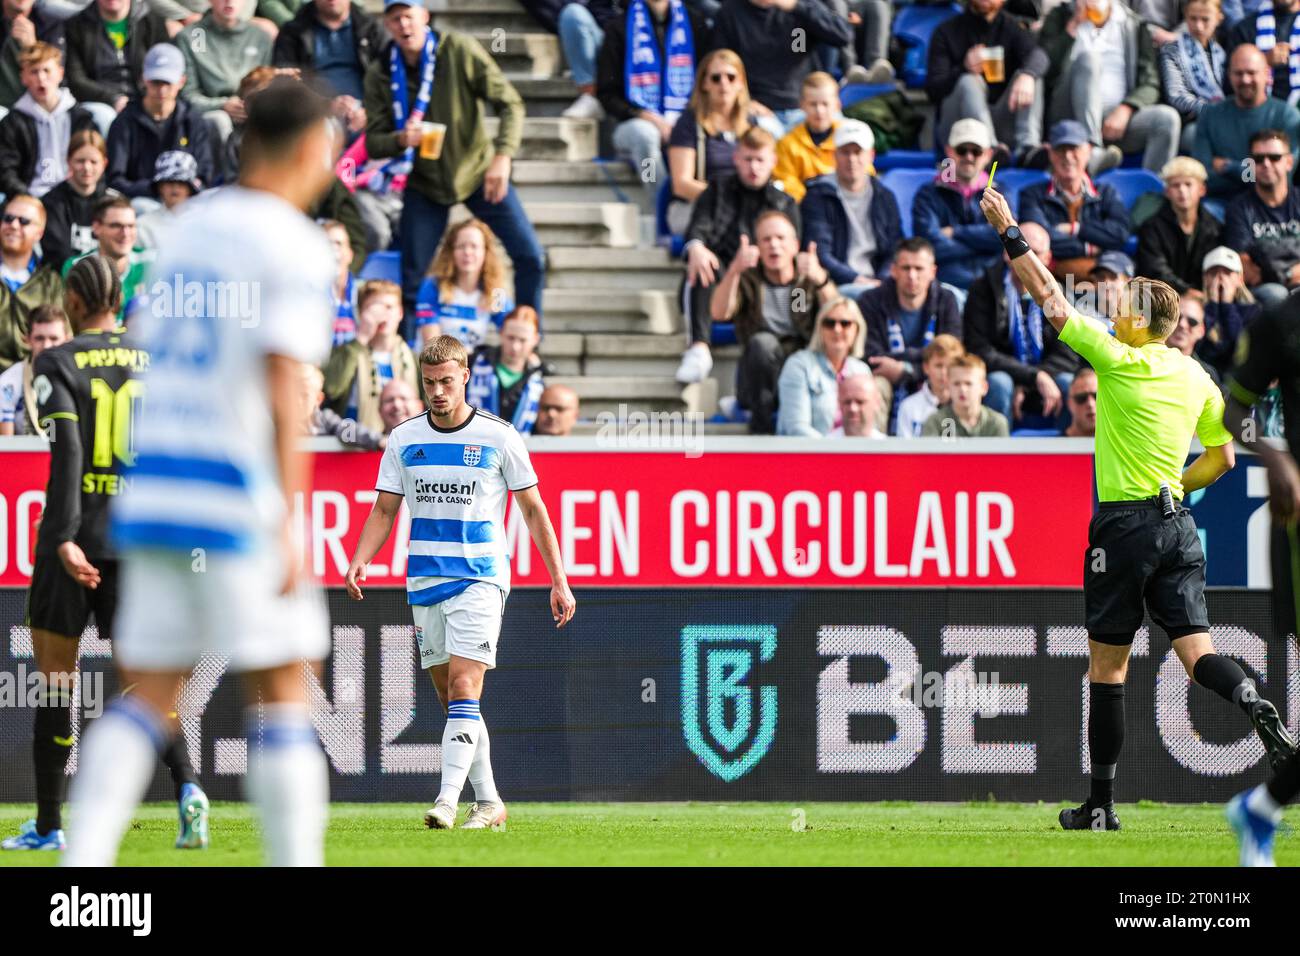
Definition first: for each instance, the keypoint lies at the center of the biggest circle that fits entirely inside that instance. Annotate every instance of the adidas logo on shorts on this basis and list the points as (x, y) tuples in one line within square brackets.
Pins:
[(485, 646), (462, 739)]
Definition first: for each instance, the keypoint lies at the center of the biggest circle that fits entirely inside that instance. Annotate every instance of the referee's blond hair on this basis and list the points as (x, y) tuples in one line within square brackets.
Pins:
[(1155, 301)]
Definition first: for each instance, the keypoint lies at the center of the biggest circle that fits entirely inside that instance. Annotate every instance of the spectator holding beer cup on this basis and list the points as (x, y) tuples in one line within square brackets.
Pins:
[(984, 65)]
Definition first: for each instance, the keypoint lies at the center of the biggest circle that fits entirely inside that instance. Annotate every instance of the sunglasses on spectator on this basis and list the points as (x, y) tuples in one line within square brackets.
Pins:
[(1192, 323), (719, 77), (969, 149), (1081, 397), (13, 217), (1267, 157), (836, 323)]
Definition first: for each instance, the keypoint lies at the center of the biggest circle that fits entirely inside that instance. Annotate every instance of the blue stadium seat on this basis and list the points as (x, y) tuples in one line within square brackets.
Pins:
[(1132, 183), (383, 265), (905, 159), (1009, 182), (1215, 208), (904, 184), (665, 238), (914, 25), (857, 92)]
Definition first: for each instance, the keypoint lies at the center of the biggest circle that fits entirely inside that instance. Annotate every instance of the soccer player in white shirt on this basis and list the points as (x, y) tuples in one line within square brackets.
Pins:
[(455, 465), (240, 298)]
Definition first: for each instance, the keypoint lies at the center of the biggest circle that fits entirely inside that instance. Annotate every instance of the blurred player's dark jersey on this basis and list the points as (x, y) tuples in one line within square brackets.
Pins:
[(1267, 350), (87, 392)]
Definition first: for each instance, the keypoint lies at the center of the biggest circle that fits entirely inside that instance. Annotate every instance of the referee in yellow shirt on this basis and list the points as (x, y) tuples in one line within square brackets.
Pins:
[(1143, 549)]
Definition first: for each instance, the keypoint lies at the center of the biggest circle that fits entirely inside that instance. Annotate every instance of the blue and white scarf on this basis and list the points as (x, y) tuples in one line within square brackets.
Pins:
[(401, 97), (1202, 68), (896, 341), (1026, 328), (649, 82), (1266, 40), (484, 391), (345, 322)]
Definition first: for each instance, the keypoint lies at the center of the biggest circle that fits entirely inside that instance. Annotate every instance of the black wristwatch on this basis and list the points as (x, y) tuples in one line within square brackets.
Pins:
[(1013, 241)]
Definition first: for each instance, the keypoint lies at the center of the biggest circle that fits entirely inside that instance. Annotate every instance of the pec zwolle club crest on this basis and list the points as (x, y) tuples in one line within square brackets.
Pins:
[(729, 722), (473, 454)]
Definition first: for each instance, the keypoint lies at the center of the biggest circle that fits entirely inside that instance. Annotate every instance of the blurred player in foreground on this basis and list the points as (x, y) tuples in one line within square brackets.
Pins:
[(242, 297), (86, 391), (1143, 548), (455, 465), (1267, 350)]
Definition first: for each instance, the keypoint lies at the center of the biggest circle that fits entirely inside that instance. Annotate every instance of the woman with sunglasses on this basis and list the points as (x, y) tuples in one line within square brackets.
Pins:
[(645, 76), (808, 390), (704, 137)]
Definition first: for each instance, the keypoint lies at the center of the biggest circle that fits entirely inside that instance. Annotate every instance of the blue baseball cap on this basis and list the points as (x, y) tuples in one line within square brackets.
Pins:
[(1068, 133), (402, 3), (164, 63), (1114, 262)]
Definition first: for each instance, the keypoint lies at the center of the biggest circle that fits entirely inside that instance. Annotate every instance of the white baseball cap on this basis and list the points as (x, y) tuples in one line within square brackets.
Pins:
[(853, 132), (969, 131), (1222, 257)]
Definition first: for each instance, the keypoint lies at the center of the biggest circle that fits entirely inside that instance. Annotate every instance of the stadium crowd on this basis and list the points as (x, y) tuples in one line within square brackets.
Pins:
[(864, 288)]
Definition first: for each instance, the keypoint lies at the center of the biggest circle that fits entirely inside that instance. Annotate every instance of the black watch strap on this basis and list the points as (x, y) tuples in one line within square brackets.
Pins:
[(1014, 243)]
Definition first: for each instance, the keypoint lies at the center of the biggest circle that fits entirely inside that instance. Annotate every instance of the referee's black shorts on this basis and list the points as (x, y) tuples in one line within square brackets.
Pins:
[(1285, 565), (1137, 558), (55, 602)]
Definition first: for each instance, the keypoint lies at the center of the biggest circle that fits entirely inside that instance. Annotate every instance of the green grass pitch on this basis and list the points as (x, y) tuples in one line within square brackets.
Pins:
[(687, 834)]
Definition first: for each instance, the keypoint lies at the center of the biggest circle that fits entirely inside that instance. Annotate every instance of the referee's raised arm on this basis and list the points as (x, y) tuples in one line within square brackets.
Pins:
[(1030, 270)]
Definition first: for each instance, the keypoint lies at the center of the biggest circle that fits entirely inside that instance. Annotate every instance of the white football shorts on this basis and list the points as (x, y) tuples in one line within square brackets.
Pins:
[(174, 610), (466, 625)]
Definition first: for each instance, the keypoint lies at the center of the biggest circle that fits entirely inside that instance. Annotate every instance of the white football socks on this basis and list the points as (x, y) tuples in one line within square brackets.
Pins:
[(288, 779), (480, 771), (459, 743), (115, 767)]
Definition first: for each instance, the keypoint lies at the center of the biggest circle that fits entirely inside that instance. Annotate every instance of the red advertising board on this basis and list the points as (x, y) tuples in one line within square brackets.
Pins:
[(744, 518)]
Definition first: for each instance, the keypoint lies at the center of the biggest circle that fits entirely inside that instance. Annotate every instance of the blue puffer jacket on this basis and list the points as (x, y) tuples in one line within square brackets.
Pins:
[(826, 223), (1103, 220), (974, 245)]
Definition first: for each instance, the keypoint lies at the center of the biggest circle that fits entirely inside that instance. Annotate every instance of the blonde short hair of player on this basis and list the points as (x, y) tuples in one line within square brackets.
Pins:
[(1182, 167), (445, 348)]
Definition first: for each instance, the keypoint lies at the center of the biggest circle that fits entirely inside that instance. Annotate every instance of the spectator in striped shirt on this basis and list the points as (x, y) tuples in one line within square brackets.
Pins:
[(464, 292)]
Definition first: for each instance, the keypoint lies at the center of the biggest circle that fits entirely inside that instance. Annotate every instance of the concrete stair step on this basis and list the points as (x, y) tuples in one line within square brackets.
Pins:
[(563, 350), (618, 395), (590, 224), (545, 96), (481, 16), (646, 311), (582, 268), (553, 138), (546, 181), (524, 54)]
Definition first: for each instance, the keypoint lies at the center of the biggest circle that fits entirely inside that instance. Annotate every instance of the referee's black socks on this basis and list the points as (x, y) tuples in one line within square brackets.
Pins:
[(1105, 738), (51, 747), (1225, 677)]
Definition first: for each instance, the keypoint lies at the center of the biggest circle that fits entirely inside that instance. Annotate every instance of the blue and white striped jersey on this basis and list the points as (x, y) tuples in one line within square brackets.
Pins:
[(455, 483), (244, 275)]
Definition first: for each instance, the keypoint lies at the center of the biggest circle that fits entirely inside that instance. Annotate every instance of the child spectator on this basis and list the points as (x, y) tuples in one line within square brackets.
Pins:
[(345, 286), (808, 150), (965, 415), (34, 135), (70, 205), (357, 372), (175, 182), (915, 410), (507, 380), (464, 293)]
